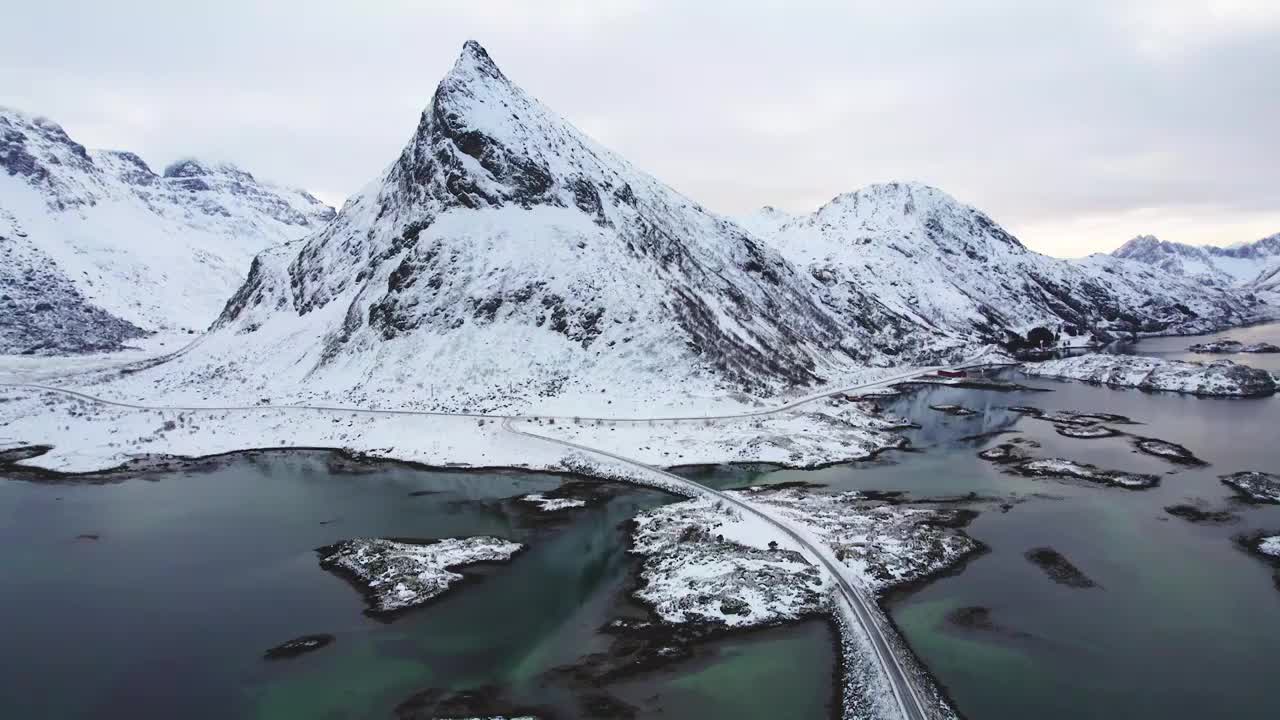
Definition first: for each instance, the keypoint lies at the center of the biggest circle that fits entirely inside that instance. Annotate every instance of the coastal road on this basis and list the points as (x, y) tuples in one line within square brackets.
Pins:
[(791, 405)]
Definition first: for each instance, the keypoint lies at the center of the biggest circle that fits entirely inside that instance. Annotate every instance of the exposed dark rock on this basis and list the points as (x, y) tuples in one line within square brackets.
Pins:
[(483, 702), (1172, 452), (1058, 568), (1197, 514), (298, 646)]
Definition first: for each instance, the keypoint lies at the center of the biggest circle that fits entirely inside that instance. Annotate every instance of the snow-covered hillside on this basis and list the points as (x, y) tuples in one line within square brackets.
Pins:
[(949, 269), (1242, 264), (505, 258), (95, 247)]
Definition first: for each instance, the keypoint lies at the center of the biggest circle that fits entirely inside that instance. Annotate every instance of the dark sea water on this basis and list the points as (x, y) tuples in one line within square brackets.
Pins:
[(195, 574)]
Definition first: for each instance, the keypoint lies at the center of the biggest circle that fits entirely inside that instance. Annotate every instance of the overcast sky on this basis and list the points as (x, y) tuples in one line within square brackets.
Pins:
[(1076, 124)]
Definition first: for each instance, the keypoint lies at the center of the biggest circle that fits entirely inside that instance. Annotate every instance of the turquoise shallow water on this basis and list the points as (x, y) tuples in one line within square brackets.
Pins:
[(195, 574)]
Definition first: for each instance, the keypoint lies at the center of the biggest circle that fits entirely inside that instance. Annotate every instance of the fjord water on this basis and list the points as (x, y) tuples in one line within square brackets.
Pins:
[(1175, 348), (194, 574), (1183, 624)]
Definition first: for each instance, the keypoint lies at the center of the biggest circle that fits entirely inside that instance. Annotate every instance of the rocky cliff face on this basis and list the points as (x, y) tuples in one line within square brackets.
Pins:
[(947, 269), (98, 248)]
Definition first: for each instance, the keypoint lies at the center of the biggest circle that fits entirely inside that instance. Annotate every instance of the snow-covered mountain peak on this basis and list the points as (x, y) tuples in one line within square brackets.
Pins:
[(765, 221), (505, 253), (40, 152), (906, 218), (194, 167)]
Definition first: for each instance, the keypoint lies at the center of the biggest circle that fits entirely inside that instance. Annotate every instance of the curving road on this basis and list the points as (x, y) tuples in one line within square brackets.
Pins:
[(902, 684), (907, 696)]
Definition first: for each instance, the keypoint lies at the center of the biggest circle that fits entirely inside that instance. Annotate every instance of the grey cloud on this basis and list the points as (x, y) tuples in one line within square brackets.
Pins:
[(1039, 113)]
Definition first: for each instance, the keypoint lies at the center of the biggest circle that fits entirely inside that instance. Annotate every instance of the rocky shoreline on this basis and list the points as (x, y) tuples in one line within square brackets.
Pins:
[(1221, 378), (1229, 347)]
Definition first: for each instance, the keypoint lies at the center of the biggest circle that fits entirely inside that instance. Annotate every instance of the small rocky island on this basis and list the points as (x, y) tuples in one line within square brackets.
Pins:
[(709, 562), (1016, 460), (298, 646), (1227, 347), (953, 410), (396, 575), (1218, 378), (1254, 487), (1058, 467), (1264, 545)]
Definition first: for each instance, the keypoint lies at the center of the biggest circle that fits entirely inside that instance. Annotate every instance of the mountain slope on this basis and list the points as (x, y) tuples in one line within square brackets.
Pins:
[(949, 269), (505, 259), (98, 234), (1238, 264)]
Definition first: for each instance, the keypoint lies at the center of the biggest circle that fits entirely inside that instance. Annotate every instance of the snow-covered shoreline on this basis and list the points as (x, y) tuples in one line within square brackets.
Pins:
[(1219, 378), (88, 435)]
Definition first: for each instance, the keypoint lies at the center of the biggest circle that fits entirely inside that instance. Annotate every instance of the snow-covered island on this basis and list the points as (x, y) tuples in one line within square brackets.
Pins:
[(396, 575), (1221, 377), (552, 504), (1016, 460), (1227, 347), (1254, 486)]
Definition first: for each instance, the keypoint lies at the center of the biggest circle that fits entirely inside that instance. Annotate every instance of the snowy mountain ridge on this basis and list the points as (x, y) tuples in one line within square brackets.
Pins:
[(504, 261), (1239, 264), (97, 234), (949, 269)]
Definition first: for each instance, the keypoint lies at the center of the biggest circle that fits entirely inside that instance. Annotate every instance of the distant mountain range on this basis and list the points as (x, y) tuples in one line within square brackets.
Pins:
[(1254, 264), (506, 260), (96, 248), (946, 269)]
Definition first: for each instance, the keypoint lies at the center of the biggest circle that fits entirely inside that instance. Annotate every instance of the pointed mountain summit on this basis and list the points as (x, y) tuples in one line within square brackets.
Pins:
[(506, 259)]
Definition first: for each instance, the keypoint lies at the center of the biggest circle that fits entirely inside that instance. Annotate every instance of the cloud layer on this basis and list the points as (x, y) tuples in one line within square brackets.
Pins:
[(1076, 125)]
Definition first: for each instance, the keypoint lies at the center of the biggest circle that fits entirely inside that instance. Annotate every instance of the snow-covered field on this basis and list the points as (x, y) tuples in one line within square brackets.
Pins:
[(1222, 377)]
